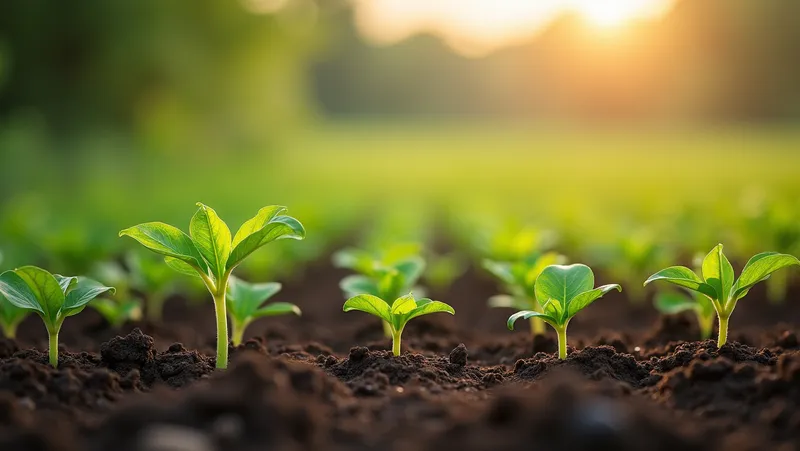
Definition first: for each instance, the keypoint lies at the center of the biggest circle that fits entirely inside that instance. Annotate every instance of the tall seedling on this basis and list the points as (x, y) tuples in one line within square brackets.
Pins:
[(718, 283), (210, 253)]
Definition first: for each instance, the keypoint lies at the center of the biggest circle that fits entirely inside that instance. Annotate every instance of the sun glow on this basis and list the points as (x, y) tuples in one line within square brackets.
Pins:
[(479, 26)]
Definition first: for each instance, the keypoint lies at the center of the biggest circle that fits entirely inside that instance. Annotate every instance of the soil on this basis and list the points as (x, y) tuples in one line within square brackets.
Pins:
[(327, 380)]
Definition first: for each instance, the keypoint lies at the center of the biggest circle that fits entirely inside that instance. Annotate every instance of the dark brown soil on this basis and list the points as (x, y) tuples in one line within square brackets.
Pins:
[(327, 381)]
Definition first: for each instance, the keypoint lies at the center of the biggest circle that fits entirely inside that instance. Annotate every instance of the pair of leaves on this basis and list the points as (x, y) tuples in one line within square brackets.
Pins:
[(562, 291), (718, 282), (245, 301), (388, 282), (53, 297), (209, 248), (400, 312)]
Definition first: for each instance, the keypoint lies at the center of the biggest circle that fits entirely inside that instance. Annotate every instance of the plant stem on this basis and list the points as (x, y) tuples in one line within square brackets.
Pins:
[(723, 330), (396, 340), (387, 329), (237, 332), (562, 341), (706, 324), (222, 329), (53, 351)]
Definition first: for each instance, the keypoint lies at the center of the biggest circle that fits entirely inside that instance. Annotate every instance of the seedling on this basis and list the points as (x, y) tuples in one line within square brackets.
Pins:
[(519, 279), (124, 306), (386, 275), (562, 292), (155, 280), (674, 302), (400, 312), (210, 253), (246, 304), (51, 296), (718, 282)]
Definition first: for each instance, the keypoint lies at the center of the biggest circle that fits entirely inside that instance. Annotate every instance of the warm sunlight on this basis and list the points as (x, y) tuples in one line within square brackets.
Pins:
[(477, 27)]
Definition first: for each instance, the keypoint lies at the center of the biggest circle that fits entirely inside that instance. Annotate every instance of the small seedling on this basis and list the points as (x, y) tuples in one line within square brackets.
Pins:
[(51, 296), (10, 315), (563, 291), (124, 306), (246, 304), (155, 280), (400, 312), (519, 279), (210, 253), (386, 275), (718, 282)]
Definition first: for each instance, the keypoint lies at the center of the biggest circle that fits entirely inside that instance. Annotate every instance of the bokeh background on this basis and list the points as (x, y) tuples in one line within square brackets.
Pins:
[(618, 122)]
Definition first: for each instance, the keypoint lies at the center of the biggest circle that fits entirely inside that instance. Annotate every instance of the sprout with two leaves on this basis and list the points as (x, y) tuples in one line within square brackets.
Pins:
[(519, 279), (398, 314), (718, 283), (210, 253), (246, 304), (51, 296), (563, 291), (386, 274)]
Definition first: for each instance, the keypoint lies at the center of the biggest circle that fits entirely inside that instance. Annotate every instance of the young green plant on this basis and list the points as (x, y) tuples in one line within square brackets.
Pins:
[(718, 282), (398, 314), (51, 296), (562, 292), (124, 306), (387, 274), (246, 304), (10, 315), (519, 279), (210, 253), (154, 279)]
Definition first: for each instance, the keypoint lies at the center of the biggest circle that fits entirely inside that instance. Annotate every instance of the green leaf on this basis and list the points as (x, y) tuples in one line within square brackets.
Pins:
[(411, 269), (358, 284), (369, 304), (66, 283), (85, 290), (45, 288), (526, 314), (181, 267), (10, 314), (563, 283), (355, 259), (671, 303), (403, 305), (245, 298), (212, 238), (277, 308), (278, 228), (501, 270), (718, 272), (683, 277), (507, 301), (167, 240), (582, 300), (426, 306), (257, 222), (758, 268)]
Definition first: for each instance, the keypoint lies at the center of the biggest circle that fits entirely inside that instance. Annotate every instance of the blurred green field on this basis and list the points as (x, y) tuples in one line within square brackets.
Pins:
[(588, 180)]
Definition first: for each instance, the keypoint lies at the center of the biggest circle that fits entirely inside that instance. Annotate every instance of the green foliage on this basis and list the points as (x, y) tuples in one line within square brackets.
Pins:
[(718, 282), (400, 312), (518, 279), (10, 314), (154, 280), (562, 292), (124, 306), (210, 252), (246, 304), (52, 297), (386, 274)]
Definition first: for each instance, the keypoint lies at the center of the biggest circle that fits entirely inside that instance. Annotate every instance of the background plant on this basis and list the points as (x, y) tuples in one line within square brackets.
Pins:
[(246, 304), (519, 279), (210, 253), (124, 306), (10, 314), (398, 314), (51, 296), (386, 274), (562, 292), (718, 282)]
